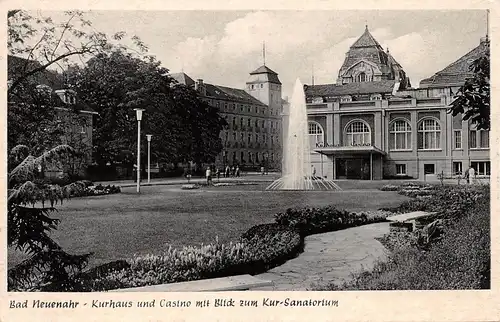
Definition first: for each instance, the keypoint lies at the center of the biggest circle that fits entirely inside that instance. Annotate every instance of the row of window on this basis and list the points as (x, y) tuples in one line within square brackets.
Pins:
[(225, 137), (250, 157), (248, 122), (482, 168), (477, 139), (240, 108), (400, 135)]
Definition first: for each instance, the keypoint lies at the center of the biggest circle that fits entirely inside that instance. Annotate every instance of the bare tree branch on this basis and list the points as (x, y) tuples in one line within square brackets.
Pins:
[(66, 27)]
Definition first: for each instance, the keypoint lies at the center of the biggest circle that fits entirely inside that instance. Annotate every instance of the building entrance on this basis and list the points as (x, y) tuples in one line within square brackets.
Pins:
[(358, 169)]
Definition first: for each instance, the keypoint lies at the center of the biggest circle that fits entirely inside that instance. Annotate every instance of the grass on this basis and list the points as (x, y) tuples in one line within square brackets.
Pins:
[(119, 226)]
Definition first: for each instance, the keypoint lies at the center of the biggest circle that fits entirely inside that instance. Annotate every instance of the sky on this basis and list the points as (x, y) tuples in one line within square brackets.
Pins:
[(222, 47)]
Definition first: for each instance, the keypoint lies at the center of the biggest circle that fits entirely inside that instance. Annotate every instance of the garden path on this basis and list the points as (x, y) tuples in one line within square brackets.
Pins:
[(329, 258)]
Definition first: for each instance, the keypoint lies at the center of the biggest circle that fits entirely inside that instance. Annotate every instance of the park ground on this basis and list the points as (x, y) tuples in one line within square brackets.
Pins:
[(121, 225)]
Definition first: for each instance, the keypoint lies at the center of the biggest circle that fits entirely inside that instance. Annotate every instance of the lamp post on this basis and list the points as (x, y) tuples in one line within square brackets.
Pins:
[(224, 161), (149, 157), (138, 112)]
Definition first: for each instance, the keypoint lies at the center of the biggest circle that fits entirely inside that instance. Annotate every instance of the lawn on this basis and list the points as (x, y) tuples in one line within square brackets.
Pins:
[(121, 225)]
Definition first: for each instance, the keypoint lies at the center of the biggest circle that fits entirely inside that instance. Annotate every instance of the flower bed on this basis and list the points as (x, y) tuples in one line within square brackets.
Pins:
[(459, 259), (317, 220), (85, 188), (259, 249)]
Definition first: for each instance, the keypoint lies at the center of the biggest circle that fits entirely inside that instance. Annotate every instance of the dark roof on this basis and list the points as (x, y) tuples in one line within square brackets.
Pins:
[(384, 86), (263, 70), (182, 78), (272, 76), (53, 79), (367, 48), (228, 93), (458, 71), (366, 40)]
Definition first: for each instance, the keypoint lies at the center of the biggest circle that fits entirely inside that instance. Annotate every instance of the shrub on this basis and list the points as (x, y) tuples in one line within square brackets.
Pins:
[(259, 249), (389, 187), (459, 260), (317, 220)]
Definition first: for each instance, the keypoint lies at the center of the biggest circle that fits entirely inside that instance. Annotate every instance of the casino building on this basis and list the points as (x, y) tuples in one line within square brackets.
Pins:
[(370, 124)]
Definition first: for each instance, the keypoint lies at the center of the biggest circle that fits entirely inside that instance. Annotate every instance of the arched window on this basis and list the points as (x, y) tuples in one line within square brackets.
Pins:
[(400, 135), (316, 135), (429, 134), (362, 77), (357, 133)]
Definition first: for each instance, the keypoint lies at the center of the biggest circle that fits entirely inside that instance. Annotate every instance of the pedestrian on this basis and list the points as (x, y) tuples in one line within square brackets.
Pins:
[(208, 174), (226, 173), (314, 171), (262, 170), (188, 175), (217, 172), (233, 171), (472, 175), (237, 171)]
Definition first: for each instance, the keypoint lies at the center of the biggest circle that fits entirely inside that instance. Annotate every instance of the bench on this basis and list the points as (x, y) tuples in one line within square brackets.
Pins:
[(230, 283), (404, 221)]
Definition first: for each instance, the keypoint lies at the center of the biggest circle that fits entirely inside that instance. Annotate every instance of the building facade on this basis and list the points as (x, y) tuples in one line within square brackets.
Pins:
[(253, 136), (372, 125), (77, 128)]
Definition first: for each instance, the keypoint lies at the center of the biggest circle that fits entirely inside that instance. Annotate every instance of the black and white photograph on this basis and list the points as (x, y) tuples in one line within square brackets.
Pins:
[(248, 150)]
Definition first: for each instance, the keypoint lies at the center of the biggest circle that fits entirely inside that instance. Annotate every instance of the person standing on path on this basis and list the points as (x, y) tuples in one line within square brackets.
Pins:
[(237, 171), (471, 175), (208, 174)]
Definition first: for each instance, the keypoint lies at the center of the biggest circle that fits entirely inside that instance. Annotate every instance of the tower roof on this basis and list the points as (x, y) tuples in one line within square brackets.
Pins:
[(366, 40), (366, 48), (271, 76)]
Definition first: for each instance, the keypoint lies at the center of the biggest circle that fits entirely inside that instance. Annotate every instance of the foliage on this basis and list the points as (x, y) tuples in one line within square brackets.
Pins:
[(264, 249), (37, 47), (460, 260), (472, 100), (259, 249), (446, 201), (184, 128), (316, 220), (49, 267)]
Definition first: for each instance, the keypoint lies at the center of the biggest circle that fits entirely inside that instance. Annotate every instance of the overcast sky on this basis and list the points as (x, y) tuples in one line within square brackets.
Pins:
[(222, 47)]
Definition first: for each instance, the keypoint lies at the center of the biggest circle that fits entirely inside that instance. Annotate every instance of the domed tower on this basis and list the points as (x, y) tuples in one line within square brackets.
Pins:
[(366, 61)]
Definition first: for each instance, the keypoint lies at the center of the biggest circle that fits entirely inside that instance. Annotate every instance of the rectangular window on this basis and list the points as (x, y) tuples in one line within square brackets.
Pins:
[(429, 168), (482, 168), (484, 139), (429, 140), (400, 169), (457, 168), (472, 139), (458, 139)]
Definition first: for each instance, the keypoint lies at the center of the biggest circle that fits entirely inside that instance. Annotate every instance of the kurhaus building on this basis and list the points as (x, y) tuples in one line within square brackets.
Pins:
[(371, 124), (253, 137)]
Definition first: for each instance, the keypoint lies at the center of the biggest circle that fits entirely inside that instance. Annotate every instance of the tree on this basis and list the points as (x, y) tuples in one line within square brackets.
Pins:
[(183, 127), (473, 98), (49, 267)]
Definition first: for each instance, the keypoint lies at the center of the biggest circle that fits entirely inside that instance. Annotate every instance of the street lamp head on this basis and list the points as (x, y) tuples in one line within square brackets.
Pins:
[(149, 137), (138, 112)]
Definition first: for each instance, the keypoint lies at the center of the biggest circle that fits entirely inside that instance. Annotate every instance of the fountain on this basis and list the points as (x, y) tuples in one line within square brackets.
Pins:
[(297, 169)]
